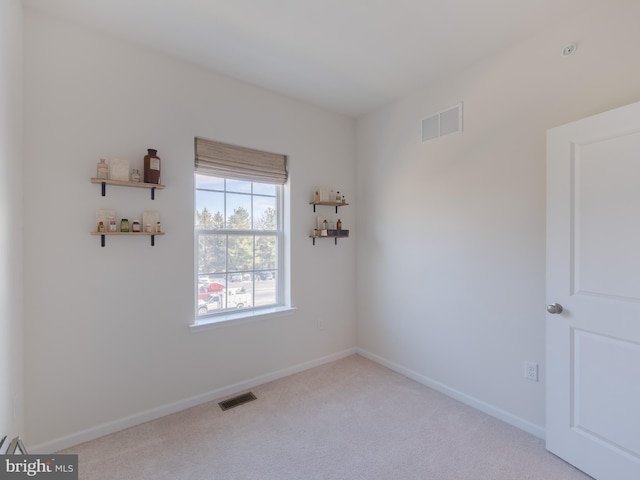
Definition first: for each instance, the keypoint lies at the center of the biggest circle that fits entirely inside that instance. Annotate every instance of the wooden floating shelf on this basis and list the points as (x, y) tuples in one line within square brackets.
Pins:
[(125, 183), (328, 204), (335, 237), (143, 234), (153, 234)]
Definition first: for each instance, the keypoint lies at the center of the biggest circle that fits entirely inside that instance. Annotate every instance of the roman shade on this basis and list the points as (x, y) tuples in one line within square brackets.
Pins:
[(240, 163)]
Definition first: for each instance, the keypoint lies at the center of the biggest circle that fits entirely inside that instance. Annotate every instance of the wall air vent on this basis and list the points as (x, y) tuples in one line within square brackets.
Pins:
[(442, 123), (235, 401)]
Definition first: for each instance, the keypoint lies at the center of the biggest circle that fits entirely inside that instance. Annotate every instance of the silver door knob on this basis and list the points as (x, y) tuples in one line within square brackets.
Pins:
[(554, 308)]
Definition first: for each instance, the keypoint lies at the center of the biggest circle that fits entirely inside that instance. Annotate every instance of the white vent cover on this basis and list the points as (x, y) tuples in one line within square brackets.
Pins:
[(442, 123)]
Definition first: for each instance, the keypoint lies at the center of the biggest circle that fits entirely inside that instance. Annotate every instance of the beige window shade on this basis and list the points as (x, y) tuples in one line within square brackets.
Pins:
[(240, 163)]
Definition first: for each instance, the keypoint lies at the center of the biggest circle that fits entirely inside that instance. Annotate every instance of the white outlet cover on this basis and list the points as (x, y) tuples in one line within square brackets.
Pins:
[(531, 371)]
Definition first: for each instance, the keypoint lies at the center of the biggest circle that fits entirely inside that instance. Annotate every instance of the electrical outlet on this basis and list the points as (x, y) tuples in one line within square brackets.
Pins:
[(531, 371)]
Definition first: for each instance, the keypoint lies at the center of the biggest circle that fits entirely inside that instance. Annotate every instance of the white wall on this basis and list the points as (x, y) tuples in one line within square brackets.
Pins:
[(451, 234), (11, 366), (107, 337)]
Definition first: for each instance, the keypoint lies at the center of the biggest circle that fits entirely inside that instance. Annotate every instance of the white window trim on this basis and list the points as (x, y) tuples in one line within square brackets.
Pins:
[(283, 309)]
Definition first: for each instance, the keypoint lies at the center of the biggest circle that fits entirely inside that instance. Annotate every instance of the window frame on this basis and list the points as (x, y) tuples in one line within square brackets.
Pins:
[(253, 313)]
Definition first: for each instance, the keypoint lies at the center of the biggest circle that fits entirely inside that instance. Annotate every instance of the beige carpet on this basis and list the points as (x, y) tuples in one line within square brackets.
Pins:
[(350, 419)]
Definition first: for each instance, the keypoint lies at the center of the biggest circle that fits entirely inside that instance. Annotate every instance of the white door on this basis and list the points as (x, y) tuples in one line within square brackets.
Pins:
[(593, 273)]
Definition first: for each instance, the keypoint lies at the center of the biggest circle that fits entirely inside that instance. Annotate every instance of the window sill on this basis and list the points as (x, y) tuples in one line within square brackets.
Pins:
[(209, 323)]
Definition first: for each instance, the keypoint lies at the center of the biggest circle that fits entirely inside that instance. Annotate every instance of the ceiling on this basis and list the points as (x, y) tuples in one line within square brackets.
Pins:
[(348, 56)]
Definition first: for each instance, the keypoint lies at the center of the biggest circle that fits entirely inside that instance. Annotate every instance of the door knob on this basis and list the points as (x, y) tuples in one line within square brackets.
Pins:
[(554, 308)]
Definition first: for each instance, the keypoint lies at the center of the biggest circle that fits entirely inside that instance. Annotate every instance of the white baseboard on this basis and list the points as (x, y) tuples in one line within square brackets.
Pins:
[(136, 419), (151, 414), (487, 408)]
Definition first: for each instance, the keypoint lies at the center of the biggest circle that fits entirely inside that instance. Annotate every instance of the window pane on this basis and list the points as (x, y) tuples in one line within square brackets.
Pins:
[(264, 212), (209, 208), (264, 189), (265, 289), (238, 212), (210, 183), (211, 254), (240, 186), (238, 297), (240, 253), (266, 252)]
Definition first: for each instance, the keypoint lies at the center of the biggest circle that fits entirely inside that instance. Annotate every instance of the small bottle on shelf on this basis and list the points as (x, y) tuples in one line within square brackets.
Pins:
[(151, 166), (102, 169), (158, 227), (344, 200), (338, 198), (135, 175), (135, 226), (325, 227), (124, 225), (316, 196), (339, 225)]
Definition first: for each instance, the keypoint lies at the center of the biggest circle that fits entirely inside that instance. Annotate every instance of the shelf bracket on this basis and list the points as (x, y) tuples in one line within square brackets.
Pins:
[(314, 240), (102, 239), (104, 190), (336, 209), (335, 240), (153, 194), (153, 240), (314, 208)]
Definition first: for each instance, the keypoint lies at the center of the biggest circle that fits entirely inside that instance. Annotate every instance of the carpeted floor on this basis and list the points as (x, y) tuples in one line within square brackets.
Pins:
[(350, 419)]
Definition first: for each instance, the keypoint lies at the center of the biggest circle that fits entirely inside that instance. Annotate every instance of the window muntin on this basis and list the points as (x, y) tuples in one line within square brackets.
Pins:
[(239, 241)]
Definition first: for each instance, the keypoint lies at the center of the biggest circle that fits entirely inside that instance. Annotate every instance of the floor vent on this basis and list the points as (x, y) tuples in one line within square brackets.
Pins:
[(235, 401)]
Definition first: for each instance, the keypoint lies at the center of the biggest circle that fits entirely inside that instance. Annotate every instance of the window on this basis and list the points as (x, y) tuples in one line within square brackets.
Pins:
[(238, 231)]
